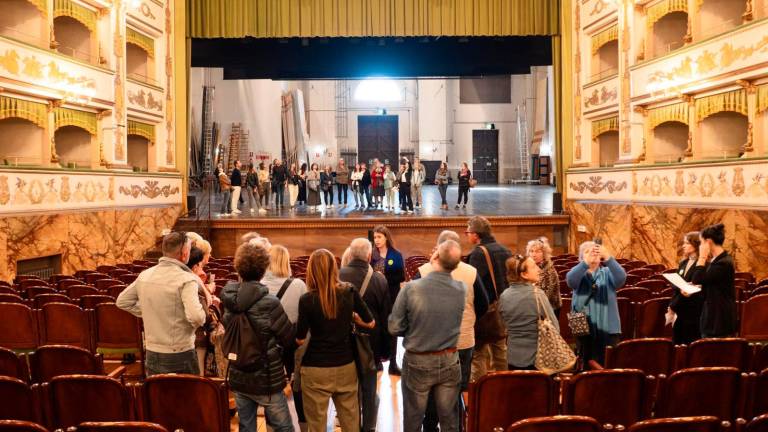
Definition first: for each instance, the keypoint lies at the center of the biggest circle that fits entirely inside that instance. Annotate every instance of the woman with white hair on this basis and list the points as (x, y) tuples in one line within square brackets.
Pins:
[(541, 253), (594, 293)]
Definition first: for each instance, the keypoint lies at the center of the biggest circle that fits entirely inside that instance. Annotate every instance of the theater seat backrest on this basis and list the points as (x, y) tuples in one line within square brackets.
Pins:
[(18, 400), (501, 398), (56, 360), (18, 327), (205, 406), (596, 394), (74, 399), (653, 356), (564, 423)]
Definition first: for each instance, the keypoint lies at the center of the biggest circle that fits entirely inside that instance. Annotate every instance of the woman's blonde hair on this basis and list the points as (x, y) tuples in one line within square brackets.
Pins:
[(323, 278), (540, 243), (346, 257), (279, 261)]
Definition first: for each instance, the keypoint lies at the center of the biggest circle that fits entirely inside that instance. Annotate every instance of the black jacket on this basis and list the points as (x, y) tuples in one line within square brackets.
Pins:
[(279, 174), (688, 310), (252, 180), (718, 318), (464, 181), (499, 256), (377, 298), (366, 181), (268, 318), (237, 178)]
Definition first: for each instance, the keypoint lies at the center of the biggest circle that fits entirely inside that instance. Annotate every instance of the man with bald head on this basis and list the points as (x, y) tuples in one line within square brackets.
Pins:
[(428, 313)]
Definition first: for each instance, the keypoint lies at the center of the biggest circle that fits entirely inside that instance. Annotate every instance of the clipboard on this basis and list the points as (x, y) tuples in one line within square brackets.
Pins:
[(681, 284)]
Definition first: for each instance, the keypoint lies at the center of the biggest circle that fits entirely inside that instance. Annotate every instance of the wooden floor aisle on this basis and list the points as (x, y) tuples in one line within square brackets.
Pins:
[(390, 408)]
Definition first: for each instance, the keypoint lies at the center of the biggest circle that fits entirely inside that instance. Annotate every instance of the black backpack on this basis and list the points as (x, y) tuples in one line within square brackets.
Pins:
[(244, 346)]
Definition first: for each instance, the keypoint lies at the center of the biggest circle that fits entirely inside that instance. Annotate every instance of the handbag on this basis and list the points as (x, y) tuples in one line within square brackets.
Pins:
[(490, 327), (361, 342), (472, 182), (578, 321), (553, 354), (312, 184)]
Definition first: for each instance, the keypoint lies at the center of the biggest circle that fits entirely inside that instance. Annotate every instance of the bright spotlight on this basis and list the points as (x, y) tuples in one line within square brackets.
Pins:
[(383, 90)]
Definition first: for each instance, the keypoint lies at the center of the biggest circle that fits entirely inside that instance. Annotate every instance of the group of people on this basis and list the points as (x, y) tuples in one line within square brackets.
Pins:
[(305, 329), (372, 188)]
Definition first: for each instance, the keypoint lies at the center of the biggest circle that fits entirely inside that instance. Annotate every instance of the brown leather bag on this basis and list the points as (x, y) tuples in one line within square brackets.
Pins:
[(490, 327)]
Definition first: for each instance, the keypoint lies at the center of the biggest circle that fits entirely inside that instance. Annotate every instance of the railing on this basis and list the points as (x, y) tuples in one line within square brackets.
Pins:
[(25, 37), (604, 74), (78, 54), (15, 161), (143, 78), (668, 48)]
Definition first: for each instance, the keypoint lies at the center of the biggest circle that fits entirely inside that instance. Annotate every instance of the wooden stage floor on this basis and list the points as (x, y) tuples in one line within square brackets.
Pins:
[(517, 214), (491, 200)]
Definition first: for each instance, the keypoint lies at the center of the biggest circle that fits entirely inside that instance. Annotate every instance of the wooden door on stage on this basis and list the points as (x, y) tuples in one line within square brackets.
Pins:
[(377, 137), (485, 155)]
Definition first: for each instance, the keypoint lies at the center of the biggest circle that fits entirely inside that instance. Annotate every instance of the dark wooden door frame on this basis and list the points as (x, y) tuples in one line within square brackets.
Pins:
[(378, 137)]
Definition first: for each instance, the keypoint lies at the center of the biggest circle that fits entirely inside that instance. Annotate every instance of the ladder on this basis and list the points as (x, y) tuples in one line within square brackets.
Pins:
[(245, 153), (233, 152), (208, 147), (522, 139)]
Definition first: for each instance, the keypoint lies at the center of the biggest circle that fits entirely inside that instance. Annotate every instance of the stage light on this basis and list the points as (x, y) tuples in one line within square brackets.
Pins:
[(385, 90)]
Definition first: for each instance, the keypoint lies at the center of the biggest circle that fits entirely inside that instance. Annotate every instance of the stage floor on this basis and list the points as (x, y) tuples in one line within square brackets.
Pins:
[(485, 200)]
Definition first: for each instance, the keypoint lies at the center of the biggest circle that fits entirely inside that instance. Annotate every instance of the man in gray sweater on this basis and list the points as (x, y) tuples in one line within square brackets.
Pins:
[(427, 313)]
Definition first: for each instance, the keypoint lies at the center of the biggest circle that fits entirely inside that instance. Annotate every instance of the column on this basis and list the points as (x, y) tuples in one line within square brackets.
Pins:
[(751, 89), (694, 132), (50, 158), (646, 152)]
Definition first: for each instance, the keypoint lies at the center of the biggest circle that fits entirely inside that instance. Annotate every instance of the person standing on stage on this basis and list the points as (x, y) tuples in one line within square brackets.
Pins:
[(293, 185), (404, 178), (302, 199), (264, 189), (326, 184), (365, 185), (417, 180), (313, 187), (387, 260), (464, 176), (252, 189), (279, 177), (355, 177), (442, 178), (226, 190), (390, 181), (237, 182), (342, 182), (377, 177), (216, 172)]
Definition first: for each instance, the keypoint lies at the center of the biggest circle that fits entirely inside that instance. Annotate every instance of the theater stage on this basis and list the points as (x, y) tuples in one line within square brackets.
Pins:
[(518, 213)]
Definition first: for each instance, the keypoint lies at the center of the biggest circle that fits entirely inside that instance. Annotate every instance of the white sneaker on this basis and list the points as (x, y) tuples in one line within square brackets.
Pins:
[(262, 211), (236, 211)]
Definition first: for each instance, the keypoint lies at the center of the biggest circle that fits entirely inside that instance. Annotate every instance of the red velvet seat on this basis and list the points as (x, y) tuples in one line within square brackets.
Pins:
[(26, 283), (11, 365), (19, 402), (63, 285), (20, 426), (115, 290), (205, 407), (91, 278), (41, 300), (635, 294), (4, 289), (90, 301), (104, 268), (758, 424), (680, 424), (656, 268), (654, 285), (754, 319), (77, 291), (128, 278), (502, 398), (610, 396), (641, 272), (18, 327), (120, 427), (715, 391), (51, 361), (117, 331), (631, 280), (653, 356), (758, 403), (627, 312), (103, 284), (65, 324), (74, 399), (12, 298), (565, 331), (33, 291), (759, 358), (725, 352), (556, 424), (650, 319)]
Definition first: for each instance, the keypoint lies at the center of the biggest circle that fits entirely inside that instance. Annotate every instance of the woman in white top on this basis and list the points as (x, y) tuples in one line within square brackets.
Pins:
[(355, 177), (277, 275)]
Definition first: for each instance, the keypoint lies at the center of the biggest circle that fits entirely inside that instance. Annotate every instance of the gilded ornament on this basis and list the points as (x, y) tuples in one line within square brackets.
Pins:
[(66, 193), (738, 181), (111, 189), (655, 185), (599, 7), (679, 183), (146, 10), (634, 183), (151, 190), (596, 185), (749, 146), (721, 190), (10, 61), (707, 185), (693, 189), (5, 194), (706, 62), (666, 188), (33, 68), (755, 190)]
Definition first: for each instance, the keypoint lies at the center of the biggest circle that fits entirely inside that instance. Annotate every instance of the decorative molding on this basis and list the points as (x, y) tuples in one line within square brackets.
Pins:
[(151, 190), (145, 100), (596, 185), (600, 97)]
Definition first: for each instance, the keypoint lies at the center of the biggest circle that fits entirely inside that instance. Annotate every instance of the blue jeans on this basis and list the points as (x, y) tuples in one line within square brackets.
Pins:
[(275, 410), (367, 193), (425, 373), (163, 363), (430, 417), (369, 401), (279, 194), (226, 205)]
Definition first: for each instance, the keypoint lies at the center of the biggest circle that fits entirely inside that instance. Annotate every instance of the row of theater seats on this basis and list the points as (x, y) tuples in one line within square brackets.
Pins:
[(617, 398), (187, 402), (588, 424)]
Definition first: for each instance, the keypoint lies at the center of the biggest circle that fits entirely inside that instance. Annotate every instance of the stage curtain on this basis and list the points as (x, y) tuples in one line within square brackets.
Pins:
[(142, 129), (659, 10), (735, 101), (359, 18), (142, 41), (69, 117), (676, 112), (73, 10), (762, 98), (605, 36), (35, 112), (289, 131), (604, 125)]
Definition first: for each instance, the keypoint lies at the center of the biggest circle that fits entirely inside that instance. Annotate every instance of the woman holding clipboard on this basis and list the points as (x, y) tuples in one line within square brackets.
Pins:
[(687, 306)]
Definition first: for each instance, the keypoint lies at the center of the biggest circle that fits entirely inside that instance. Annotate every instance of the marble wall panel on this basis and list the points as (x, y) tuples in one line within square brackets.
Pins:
[(84, 239), (653, 233)]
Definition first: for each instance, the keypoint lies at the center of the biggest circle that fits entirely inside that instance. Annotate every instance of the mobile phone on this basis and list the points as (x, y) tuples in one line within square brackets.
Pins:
[(211, 277), (598, 241)]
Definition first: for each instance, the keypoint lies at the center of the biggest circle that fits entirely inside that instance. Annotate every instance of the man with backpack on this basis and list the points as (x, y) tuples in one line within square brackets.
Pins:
[(257, 330)]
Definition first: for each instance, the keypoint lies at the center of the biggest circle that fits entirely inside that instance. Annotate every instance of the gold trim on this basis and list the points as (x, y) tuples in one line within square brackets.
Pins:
[(605, 36), (676, 112), (140, 40), (87, 121), (663, 8), (75, 11), (605, 125)]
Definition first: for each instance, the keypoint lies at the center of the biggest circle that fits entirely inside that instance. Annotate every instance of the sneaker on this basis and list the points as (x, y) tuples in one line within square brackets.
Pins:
[(457, 207), (236, 211), (409, 211), (464, 206), (262, 211)]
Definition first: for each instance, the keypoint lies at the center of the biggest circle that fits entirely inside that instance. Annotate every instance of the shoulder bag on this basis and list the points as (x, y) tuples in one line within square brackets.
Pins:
[(361, 342), (490, 328), (578, 321), (553, 354), (284, 288)]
